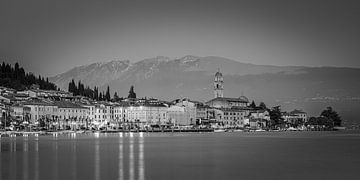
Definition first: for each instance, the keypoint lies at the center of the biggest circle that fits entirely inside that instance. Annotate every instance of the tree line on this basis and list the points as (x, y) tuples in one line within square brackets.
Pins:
[(79, 89), (328, 118), (16, 78)]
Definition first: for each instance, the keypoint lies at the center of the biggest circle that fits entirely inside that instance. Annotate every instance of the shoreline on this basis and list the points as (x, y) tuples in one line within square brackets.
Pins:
[(69, 132)]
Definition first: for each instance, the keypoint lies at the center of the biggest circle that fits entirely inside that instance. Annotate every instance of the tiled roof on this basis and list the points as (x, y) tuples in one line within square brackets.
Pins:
[(39, 102), (296, 111), (67, 104), (241, 99)]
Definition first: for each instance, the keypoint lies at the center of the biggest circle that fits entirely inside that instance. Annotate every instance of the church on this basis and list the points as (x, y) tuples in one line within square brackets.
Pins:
[(220, 101)]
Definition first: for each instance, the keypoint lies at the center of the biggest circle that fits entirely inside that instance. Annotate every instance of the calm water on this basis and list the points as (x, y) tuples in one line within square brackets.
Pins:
[(262, 155)]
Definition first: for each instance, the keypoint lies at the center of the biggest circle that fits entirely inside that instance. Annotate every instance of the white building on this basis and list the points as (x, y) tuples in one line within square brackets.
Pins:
[(40, 109)]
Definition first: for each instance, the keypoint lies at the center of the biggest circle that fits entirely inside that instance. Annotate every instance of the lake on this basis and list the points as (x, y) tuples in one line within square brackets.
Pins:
[(140, 156)]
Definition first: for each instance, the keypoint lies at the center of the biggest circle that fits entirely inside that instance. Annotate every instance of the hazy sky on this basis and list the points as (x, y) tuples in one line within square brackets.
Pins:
[(52, 36)]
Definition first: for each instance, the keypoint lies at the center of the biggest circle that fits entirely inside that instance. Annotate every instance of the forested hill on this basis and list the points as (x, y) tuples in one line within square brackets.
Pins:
[(16, 78)]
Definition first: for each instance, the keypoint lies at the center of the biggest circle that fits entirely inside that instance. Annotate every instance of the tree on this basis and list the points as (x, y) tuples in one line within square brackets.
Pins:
[(96, 93), (253, 105), (100, 96), (332, 116), (107, 95), (16, 78), (275, 116), (262, 106), (116, 97), (132, 94)]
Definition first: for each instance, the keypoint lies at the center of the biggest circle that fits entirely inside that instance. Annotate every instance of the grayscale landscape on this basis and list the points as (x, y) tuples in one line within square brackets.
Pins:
[(179, 89)]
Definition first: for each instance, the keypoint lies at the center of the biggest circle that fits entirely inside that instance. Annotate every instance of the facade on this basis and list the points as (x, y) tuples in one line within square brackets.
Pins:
[(231, 117), (103, 113), (257, 119), (19, 112), (40, 109), (179, 115), (295, 117), (223, 102), (120, 112), (71, 111), (147, 114), (189, 110)]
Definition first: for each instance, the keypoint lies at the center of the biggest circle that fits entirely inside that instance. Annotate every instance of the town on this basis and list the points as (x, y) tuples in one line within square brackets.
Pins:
[(36, 109)]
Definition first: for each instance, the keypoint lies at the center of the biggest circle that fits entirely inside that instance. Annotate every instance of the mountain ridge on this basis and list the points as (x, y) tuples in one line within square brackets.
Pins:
[(308, 88)]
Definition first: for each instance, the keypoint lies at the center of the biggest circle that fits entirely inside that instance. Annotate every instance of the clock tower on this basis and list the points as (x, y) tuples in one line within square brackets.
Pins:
[(218, 84)]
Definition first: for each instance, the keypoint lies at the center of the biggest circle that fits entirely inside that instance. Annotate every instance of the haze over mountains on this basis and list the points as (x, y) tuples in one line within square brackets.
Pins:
[(307, 88)]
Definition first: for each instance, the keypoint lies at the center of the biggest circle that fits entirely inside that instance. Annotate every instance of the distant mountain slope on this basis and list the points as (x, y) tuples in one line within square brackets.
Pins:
[(100, 74), (94, 74), (308, 88)]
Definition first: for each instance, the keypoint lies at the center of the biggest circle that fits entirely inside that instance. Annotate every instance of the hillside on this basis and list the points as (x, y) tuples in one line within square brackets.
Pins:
[(308, 88)]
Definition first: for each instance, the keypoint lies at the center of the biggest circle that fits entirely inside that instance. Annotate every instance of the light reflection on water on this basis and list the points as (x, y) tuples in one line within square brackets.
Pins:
[(131, 158), (25, 158), (56, 156), (97, 159), (36, 161), (140, 156), (121, 158)]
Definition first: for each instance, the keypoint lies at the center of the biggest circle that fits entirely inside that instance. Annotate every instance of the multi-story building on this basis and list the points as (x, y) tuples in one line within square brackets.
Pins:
[(257, 119), (147, 113), (120, 112), (231, 116), (20, 112), (295, 117), (71, 114), (189, 110), (103, 113), (41, 109)]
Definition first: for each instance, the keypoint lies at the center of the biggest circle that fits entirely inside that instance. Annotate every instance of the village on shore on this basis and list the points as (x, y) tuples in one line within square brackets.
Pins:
[(38, 110)]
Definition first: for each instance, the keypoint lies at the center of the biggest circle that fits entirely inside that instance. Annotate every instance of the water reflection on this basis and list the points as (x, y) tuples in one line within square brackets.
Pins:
[(0, 157), (13, 157), (131, 158), (36, 157), (25, 158), (121, 158), (141, 157), (73, 152), (97, 159), (55, 151)]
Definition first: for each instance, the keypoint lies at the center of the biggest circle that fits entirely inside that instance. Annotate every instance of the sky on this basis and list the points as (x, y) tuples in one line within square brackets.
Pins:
[(49, 37)]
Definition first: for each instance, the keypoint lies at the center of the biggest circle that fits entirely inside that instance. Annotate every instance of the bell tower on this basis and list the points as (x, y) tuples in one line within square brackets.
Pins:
[(218, 84)]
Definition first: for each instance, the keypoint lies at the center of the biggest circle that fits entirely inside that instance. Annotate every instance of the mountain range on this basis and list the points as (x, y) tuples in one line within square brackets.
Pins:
[(308, 88)]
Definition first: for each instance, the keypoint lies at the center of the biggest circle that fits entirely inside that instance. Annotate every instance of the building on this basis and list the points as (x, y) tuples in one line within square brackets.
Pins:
[(295, 117), (205, 114), (148, 113), (189, 110), (20, 113), (231, 117), (41, 109), (103, 113), (218, 84), (257, 119), (224, 102), (70, 114)]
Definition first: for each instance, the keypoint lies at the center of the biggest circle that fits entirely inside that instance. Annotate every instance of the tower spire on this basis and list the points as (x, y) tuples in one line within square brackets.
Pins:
[(218, 84)]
